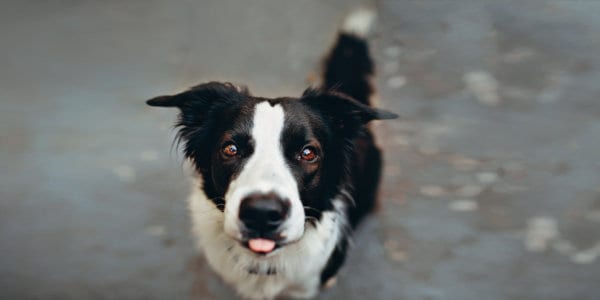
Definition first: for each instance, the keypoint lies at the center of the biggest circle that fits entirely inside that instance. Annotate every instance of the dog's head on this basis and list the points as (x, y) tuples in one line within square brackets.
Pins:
[(270, 165)]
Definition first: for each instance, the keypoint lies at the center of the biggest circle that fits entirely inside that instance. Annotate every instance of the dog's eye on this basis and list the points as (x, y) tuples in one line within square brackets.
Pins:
[(309, 154), (230, 150)]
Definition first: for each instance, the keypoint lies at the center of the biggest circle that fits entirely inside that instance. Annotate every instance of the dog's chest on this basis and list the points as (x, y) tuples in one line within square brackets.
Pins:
[(257, 279)]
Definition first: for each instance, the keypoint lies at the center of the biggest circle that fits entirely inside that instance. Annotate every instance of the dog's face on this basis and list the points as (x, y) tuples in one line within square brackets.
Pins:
[(270, 165)]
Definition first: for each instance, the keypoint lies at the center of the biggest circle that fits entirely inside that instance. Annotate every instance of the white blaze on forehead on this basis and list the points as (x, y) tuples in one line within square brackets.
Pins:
[(266, 171), (267, 127)]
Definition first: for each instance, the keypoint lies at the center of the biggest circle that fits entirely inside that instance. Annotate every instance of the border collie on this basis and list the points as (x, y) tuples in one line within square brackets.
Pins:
[(281, 183)]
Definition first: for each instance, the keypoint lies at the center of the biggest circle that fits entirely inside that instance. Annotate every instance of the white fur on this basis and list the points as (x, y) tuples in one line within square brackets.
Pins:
[(266, 171), (359, 22), (297, 265)]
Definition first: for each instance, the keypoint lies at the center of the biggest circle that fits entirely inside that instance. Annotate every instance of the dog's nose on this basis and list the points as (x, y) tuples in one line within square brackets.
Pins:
[(263, 213)]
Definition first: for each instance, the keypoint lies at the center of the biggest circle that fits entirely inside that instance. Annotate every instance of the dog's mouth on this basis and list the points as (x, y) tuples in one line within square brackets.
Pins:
[(264, 245), (261, 245)]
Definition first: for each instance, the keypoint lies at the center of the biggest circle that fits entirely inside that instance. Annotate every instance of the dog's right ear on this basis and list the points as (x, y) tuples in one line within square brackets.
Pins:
[(201, 97), (197, 102)]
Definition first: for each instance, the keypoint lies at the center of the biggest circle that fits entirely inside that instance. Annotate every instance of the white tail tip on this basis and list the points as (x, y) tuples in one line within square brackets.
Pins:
[(359, 22)]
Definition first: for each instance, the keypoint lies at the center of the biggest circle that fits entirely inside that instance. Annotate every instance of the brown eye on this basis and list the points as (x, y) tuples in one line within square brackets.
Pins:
[(308, 154), (230, 150)]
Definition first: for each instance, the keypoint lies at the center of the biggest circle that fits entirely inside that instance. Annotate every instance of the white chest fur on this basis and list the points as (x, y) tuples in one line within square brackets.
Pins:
[(293, 271)]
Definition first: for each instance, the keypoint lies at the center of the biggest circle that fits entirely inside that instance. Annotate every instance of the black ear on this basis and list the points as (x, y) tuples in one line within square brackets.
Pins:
[(345, 111), (200, 101), (204, 94)]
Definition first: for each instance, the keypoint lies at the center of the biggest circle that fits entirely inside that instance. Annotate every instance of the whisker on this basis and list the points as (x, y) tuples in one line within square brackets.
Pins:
[(219, 202), (312, 220), (312, 208)]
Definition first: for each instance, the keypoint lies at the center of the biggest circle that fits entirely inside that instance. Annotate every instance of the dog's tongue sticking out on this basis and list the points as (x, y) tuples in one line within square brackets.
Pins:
[(261, 245)]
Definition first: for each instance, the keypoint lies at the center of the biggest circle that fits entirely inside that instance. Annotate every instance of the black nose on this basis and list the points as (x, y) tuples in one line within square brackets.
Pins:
[(263, 213)]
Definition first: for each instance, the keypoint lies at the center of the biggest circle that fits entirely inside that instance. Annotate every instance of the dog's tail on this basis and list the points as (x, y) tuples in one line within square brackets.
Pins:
[(349, 67)]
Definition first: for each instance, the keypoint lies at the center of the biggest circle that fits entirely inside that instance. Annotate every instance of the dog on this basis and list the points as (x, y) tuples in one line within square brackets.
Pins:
[(282, 182)]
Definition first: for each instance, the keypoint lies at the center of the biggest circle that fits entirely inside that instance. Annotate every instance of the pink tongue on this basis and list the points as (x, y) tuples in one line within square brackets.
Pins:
[(261, 245)]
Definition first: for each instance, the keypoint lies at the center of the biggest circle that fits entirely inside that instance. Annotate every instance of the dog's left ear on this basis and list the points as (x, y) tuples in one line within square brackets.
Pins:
[(346, 112)]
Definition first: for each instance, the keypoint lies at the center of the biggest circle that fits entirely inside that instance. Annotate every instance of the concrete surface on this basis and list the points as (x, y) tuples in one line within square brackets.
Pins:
[(492, 178)]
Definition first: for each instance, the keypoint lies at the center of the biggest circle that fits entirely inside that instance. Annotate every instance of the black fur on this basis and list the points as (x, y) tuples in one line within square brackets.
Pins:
[(207, 111)]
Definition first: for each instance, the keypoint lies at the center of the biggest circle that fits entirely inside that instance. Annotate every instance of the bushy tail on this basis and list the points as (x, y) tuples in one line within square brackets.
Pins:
[(349, 67)]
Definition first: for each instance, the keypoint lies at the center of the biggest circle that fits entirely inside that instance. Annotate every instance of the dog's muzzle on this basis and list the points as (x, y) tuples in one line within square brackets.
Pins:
[(262, 216)]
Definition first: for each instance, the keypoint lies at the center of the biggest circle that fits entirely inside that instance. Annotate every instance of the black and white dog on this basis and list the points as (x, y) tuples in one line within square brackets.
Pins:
[(283, 182)]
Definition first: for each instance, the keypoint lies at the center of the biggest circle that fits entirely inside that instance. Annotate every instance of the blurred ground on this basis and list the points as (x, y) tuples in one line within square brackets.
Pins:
[(491, 188)]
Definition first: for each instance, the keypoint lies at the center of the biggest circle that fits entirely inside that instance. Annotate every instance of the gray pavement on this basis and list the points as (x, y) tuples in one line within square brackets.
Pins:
[(491, 188)]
